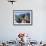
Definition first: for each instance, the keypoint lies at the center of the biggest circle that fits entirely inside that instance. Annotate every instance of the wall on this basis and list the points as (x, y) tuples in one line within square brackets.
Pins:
[(37, 31)]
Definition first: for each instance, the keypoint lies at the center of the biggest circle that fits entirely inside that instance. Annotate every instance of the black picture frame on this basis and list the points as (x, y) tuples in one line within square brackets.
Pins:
[(18, 15)]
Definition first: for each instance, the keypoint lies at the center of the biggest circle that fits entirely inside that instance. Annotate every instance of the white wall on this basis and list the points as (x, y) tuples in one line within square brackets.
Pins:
[(38, 30)]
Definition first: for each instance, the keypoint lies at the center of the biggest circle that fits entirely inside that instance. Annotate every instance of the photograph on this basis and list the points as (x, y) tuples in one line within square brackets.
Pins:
[(22, 16)]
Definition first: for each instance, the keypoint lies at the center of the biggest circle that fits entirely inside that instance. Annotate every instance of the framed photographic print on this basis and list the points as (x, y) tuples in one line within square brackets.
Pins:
[(22, 17)]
